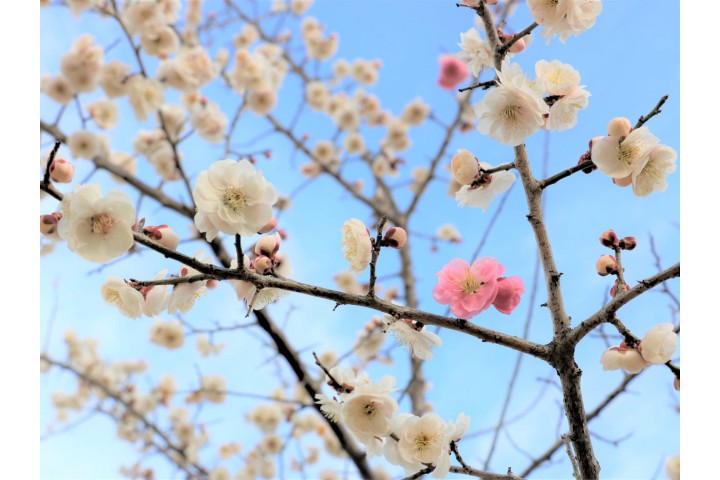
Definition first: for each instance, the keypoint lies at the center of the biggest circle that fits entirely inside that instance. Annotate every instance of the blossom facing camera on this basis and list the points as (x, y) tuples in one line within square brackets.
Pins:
[(357, 246), (453, 71), (233, 198), (395, 237), (61, 171), (607, 265), (659, 343), (510, 289), (468, 289)]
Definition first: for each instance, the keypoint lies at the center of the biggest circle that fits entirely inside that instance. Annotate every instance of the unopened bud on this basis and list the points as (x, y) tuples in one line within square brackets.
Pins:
[(395, 237), (163, 235), (268, 245), (518, 46), (471, 3), (262, 265), (628, 243), (61, 171), (212, 283), (623, 182), (282, 233), (491, 2), (48, 224), (464, 167), (614, 290), (606, 264), (676, 384), (609, 239), (619, 127), (269, 227)]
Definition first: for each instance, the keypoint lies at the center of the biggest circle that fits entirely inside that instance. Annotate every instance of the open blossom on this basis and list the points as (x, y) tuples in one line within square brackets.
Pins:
[(619, 159), (209, 121), (475, 51), (254, 298), (214, 388), (659, 343), (369, 413), (233, 198), (113, 76), (468, 289), (563, 113), (415, 112), (184, 295), (407, 334), (156, 297), (448, 233), (482, 194), (423, 439), (84, 144), (629, 359), (81, 65), (564, 17), (513, 110), (453, 71), (167, 334), (651, 176), (357, 246), (128, 300), (145, 95), (96, 228), (104, 113), (556, 78), (58, 88)]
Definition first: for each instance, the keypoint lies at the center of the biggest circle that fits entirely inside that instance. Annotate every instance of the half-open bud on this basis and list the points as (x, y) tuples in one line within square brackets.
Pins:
[(609, 239), (464, 167), (606, 265), (269, 227), (628, 243), (395, 237), (623, 182), (163, 235), (262, 265), (61, 171), (49, 223), (619, 127), (268, 245)]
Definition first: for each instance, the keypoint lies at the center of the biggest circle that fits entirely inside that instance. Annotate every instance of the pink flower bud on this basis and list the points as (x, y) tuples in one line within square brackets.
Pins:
[(464, 167), (282, 233), (269, 227), (623, 182), (471, 3), (212, 283), (268, 245), (518, 46), (262, 265), (676, 384), (61, 171), (48, 225), (491, 2), (606, 264), (508, 294), (628, 243), (452, 71), (163, 235), (614, 290), (619, 127), (609, 239), (395, 237)]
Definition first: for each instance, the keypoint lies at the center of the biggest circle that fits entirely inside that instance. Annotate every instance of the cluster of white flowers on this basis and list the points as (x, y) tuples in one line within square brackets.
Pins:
[(476, 52), (633, 156), (371, 414), (515, 109), (564, 17), (656, 347)]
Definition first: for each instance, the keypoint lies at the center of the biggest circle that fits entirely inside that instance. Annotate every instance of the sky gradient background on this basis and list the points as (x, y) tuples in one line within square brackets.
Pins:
[(625, 63)]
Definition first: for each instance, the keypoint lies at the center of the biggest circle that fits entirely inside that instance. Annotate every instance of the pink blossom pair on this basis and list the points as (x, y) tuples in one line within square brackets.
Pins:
[(471, 289)]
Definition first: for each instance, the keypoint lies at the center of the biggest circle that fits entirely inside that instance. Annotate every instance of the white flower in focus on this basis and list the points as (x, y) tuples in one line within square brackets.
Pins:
[(620, 159), (369, 414), (209, 121), (457, 429), (556, 78), (564, 17), (104, 113), (464, 167), (563, 113), (96, 228), (156, 297), (476, 52), (167, 334), (331, 408), (254, 298), (418, 342), (659, 343), (129, 301), (184, 295), (232, 198), (513, 110), (483, 194), (422, 439), (650, 178), (145, 95), (357, 246), (629, 359)]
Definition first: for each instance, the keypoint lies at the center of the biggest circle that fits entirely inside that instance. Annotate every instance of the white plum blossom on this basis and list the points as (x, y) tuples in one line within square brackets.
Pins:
[(159, 40), (659, 343), (233, 198), (424, 440), (254, 298), (96, 228), (418, 341), (113, 78), (184, 295), (368, 413), (556, 78), (127, 299), (415, 112), (156, 297), (81, 66), (84, 144), (629, 359), (104, 113), (145, 95), (564, 17), (619, 157), (214, 388), (167, 334), (650, 177), (357, 246), (563, 113), (57, 88), (209, 121), (483, 194), (448, 233), (476, 52), (513, 110)]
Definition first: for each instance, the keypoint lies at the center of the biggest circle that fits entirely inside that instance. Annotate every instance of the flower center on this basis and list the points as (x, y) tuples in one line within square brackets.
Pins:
[(470, 284), (369, 409), (421, 442), (628, 153), (234, 199), (101, 223), (510, 112)]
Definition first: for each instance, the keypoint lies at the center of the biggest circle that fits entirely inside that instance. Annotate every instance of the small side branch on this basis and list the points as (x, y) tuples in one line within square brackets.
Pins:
[(375, 254)]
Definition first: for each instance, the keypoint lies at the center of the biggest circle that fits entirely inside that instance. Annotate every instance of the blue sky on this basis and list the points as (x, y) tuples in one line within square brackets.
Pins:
[(625, 65)]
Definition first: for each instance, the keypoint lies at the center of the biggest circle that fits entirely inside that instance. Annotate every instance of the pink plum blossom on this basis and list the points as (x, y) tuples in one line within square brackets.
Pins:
[(452, 72), (468, 289), (508, 294)]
